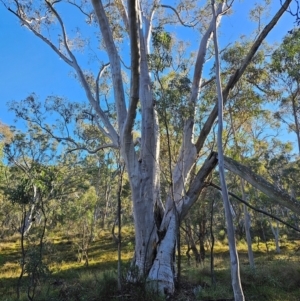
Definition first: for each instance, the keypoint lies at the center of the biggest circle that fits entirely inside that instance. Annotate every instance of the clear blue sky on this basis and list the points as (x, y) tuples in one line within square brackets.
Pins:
[(28, 65)]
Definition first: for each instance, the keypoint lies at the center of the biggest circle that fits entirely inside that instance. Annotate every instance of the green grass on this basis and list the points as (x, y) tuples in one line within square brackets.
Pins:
[(276, 277)]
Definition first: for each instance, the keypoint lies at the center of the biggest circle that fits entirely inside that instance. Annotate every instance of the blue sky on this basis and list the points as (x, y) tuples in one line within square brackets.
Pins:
[(28, 65)]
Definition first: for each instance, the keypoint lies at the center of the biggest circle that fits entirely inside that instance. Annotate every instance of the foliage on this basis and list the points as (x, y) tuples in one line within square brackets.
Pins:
[(286, 58), (162, 43), (286, 68)]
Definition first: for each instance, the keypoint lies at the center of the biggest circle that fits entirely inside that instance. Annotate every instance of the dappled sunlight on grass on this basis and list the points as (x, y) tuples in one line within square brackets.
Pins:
[(62, 253), (276, 275)]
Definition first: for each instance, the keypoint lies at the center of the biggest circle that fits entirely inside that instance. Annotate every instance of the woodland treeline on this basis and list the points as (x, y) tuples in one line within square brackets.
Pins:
[(72, 167)]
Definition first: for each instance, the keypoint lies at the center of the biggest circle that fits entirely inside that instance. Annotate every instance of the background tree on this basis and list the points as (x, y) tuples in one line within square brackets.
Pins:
[(286, 67)]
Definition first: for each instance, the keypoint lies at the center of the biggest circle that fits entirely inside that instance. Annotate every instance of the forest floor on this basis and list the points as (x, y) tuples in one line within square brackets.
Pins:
[(62, 278)]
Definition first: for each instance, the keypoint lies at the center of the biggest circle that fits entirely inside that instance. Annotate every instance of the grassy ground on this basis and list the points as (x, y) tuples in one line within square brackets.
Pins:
[(276, 277)]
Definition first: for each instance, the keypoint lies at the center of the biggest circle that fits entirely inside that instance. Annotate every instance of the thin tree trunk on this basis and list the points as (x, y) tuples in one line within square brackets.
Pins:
[(247, 222), (275, 232), (234, 261), (121, 168), (178, 254), (212, 237), (23, 253), (247, 219), (294, 105), (201, 235), (30, 214), (193, 244)]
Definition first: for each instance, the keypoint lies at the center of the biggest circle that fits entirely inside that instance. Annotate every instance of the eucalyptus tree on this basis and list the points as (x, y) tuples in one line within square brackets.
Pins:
[(8, 218), (286, 67), (132, 106), (31, 181), (28, 180), (245, 104)]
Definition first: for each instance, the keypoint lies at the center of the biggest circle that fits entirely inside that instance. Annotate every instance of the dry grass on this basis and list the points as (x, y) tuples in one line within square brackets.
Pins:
[(277, 276)]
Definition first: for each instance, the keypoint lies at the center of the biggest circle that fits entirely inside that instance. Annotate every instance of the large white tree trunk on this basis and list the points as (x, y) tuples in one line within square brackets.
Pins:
[(162, 274), (145, 233)]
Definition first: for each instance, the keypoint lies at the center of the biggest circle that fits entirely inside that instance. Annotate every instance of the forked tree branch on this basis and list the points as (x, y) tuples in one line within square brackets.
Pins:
[(27, 23), (188, 151), (111, 132)]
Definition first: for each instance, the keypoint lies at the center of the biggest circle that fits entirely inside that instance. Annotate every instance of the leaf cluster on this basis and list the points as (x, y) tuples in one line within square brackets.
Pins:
[(286, 58), (160, 59)]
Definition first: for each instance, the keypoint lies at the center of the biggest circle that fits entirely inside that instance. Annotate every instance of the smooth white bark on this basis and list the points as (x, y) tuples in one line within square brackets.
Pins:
[(234, 260)]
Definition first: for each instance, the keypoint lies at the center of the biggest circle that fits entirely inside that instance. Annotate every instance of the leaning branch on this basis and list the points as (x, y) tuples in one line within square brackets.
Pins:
[(278, 195), (256, 209)]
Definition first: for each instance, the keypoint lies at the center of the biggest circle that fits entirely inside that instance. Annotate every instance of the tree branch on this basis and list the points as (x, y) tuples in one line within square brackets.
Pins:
[(178, 16), (92, 151), (86, 14), (114, 62), (279, 196), (100, 73), (112, 134), (198, 184), (188, 152), (256, 209), (122, 10), (135, 70), (30, 27)]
